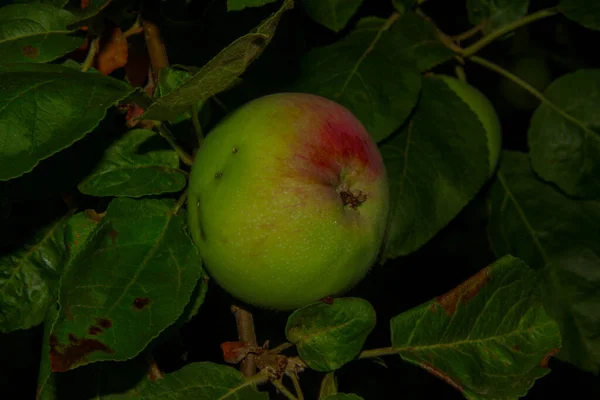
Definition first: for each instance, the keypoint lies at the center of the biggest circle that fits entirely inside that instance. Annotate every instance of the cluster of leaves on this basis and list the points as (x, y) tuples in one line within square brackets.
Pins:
[(110, 283)]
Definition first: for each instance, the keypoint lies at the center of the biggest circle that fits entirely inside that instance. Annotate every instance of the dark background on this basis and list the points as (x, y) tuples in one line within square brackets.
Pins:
[(193, 34)]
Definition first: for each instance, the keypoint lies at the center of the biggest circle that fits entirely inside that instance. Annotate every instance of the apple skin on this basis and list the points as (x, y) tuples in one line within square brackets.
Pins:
[(485, 111), (288, 201)]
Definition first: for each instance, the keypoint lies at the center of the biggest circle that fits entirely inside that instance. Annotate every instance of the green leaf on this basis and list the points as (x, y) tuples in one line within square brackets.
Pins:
[(169, 79), (489, 338), (343, 396), (236, 5), (45, 108), (132, 280), (368, 72), (564, 134), (203, 380), (138, 164), (422, 43), (584, 12), (536, 222), (328, 385), (35, 33), (46, 380), (402, 5), (330, 335), (29, 278), (79, 229), (495, 14), (219, 73), (334, 14), (436, 165), (55, 3)]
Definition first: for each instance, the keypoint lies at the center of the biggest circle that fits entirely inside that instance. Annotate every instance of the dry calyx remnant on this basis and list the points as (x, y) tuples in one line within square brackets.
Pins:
[(352, 199)]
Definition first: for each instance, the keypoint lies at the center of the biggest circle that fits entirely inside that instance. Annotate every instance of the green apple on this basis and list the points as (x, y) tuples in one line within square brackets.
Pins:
[(533, 70), (288, 201), (485, 111)]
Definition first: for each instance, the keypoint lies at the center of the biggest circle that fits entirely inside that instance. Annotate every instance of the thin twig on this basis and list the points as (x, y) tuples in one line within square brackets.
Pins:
[(480, 44), (281, 347), (180, 202), (197, 125), (91, 55), (245, 327), (166, 134), (284, 390)]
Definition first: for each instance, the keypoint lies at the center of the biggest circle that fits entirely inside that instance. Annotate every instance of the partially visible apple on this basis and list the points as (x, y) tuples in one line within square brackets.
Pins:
[(288, 201), (485, 111)]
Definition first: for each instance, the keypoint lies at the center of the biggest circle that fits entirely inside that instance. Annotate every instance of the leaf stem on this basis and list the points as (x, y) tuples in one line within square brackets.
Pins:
[(197, 126), (297, 387), (166, 134), (245, 327), (498, 69), (180, 202), (480, 44), (91, 55), (284, 390), (468, 34), (384, 351)]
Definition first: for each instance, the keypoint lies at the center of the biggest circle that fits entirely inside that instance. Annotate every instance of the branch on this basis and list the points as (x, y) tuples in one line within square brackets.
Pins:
[(91, 55), (475, 47), (245, 327), (283, 390), (384, 351)]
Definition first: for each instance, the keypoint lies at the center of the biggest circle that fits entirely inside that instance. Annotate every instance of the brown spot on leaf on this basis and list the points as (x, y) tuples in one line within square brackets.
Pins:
[(516, 348), (53, 341), (327, 300), (463, 292), (104, 323), (94, 216), (141, 302), (72, 338), (442, 375), (31, 52), (547, 357), (94, 330), (63, 357), (68, 314), (113, 235)]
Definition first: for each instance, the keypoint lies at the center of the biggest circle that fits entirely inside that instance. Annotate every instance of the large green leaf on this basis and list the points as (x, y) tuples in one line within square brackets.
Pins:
[(584, 12), (536, 222), (494, 14), (35, 33), (422, 43), (333, 14), (489, 337), (236, 5), (369, 73), (132, 280), (330, 335), (564, 135), (219, 73), (436, 165), (138, 164), (343, 396), (203, 380), (29, 278), (45, 108)]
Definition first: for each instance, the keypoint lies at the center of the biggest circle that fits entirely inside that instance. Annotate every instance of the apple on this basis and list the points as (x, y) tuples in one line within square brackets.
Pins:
[(288, 201), (532, 69), (485, 111)]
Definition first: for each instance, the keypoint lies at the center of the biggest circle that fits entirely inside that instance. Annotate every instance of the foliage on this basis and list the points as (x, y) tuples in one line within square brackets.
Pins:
[(97, 268)]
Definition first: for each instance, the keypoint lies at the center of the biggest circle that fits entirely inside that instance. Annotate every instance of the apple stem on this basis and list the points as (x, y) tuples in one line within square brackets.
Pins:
[(245, 327)]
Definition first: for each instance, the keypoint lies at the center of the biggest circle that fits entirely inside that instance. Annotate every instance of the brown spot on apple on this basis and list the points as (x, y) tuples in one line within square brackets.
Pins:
[(463, 292)]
